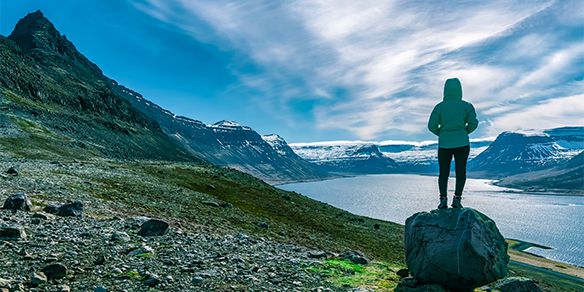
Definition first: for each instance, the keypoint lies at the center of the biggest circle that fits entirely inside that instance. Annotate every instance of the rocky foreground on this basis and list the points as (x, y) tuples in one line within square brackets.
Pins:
[(96, 248), (82, 254)]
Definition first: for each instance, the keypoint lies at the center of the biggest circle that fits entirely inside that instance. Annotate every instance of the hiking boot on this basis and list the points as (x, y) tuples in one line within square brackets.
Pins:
[(443, 203), (456, 202)]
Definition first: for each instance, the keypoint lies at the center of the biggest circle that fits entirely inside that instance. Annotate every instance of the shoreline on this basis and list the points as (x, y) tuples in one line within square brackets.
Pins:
[(518, 247), (517, 251)]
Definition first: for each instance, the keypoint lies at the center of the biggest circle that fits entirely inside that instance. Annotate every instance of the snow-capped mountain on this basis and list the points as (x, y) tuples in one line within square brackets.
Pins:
[(409, 157), (422, 157), (524, 151), (354, 159), (227, 143), (568, 176), (279, 145)]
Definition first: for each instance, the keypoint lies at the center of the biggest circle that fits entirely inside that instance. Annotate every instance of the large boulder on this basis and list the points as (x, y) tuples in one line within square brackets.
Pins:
[(18, 201), (459, 249), (153, 227)]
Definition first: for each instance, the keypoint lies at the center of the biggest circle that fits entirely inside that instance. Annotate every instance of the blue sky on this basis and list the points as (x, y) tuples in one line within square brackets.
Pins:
[(335, 70)]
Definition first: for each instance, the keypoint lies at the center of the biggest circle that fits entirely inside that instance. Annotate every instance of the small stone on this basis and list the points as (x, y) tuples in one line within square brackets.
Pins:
[(63, 288), (153, 227), (355, 256), (18, 201), (100, 289), (120, 236), (376, 226), (55, 271), (516, 284), (169, 279), (263, 224), (52, 208), (142, 250), (197, 280), (316, 254), (211, 203), (74, 209), (12, 233), (100, 260), (117, 271), (226, 205), (297, 283), (152, 280), (12, 171), (38, 279)]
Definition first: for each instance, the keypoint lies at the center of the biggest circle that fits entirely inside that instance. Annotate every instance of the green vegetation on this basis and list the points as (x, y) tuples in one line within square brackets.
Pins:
[(176, 192), (342, 273)]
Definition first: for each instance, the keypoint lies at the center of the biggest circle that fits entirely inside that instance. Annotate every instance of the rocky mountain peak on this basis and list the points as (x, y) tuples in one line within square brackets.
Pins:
[(36, 35), (35, 31)]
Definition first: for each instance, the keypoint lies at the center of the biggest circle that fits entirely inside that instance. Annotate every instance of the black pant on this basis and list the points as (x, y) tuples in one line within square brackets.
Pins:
[(444, 158)]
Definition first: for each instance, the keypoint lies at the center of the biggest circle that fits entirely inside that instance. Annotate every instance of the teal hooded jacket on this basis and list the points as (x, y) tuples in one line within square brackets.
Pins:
[(453, 118)]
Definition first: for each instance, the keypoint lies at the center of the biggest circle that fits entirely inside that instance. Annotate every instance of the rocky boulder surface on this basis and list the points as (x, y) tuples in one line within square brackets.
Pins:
[(18, 201), (459, 249)]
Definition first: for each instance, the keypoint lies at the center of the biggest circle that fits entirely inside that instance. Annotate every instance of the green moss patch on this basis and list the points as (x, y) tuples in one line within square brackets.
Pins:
[(379, 276)]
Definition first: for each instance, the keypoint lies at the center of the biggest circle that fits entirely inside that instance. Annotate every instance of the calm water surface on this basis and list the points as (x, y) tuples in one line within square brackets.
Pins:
[(554, 221)]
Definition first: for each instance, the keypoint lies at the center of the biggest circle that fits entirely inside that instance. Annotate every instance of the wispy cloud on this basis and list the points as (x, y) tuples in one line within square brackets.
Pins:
[(380, 65)]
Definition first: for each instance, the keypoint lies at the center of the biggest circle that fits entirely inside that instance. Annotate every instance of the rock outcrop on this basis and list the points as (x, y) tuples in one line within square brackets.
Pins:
[(460, 249)]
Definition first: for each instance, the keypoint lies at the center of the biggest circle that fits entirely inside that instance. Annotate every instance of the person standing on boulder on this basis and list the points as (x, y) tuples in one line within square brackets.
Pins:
[(452, 120)]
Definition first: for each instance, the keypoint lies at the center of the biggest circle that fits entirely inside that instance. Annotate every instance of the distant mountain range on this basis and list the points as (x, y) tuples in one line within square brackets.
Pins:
[(53, 94), (519, 152), (547, 159), (378, 157), (347, 159)]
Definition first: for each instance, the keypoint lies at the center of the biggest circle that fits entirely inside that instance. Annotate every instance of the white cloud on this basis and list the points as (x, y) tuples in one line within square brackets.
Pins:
[(390, 58), (557, 112)]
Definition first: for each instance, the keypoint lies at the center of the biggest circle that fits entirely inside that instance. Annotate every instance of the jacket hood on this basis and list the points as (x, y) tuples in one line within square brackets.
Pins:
[(452, 89)]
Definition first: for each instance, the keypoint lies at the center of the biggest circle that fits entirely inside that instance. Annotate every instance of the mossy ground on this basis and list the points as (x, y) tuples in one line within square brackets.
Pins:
[(379, 276)]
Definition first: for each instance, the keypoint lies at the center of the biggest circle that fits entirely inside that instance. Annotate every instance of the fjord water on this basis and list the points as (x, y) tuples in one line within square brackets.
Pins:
[(549, 220)]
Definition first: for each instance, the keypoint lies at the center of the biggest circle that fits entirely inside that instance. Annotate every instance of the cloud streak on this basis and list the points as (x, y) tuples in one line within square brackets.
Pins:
[(380, 65)]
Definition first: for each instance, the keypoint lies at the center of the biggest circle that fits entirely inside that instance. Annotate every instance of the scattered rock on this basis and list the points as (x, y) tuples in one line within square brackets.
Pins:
[(12, 171), (12, 233), (18, 201), (402, 273), (142, 251), (517, 284), (52, 209), (376, 226), (211, 203), (74, 209), (153, 227), (316, 254), (55, 271), (197, 280), (263, 224), (152, 280), (120, 236), (464, 243), (38, 279), (100, 260), (226, 205), (355, 256), (63, 288), (100, 289)]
